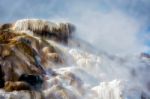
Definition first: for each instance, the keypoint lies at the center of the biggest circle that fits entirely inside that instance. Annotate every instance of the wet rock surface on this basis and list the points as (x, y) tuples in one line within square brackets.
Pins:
[(40, 59)]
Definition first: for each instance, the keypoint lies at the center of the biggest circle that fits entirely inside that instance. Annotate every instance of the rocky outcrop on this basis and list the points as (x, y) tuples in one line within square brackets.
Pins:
[(40, 59), (25, 58), (43, 28)]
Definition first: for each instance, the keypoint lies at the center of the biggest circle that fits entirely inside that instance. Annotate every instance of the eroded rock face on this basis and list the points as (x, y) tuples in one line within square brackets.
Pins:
[(35, 64), (26, 58), (56, 31), (22, 53)]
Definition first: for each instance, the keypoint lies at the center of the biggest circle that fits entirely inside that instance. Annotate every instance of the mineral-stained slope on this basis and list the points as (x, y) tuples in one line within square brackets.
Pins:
[(40, 59), (27, 57)]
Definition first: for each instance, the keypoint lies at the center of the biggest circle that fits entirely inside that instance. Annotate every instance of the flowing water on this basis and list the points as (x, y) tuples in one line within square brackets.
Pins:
[(92, 74)]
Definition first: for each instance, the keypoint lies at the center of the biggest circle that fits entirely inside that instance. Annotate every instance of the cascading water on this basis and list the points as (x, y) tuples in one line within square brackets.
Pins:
[(84, 74)]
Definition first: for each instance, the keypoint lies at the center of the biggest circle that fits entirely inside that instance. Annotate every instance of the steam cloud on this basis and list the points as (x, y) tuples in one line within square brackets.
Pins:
[(114, 26)]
